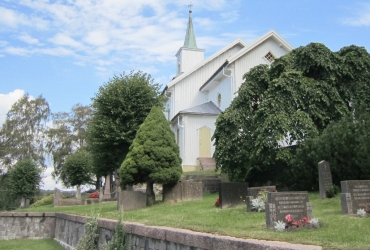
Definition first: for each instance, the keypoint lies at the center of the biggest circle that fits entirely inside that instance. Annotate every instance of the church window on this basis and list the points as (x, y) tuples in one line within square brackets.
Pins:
[(219, 99), (270, 57)]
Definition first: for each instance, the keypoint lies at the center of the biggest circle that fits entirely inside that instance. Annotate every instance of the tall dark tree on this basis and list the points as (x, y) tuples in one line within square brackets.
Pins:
[(120, 107), (153, 156), (283, 105), (67, 135), (25, 178), (23, 134)]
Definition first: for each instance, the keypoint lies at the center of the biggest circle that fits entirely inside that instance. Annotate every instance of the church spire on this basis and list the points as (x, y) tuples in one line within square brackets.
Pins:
[(190, 41)]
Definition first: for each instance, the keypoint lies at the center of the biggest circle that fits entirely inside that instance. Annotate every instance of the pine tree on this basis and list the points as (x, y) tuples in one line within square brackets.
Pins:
[(153, 156)]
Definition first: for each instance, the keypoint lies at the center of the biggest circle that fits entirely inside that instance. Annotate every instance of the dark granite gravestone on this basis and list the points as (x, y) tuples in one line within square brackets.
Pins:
[(355, 195), (325, 180), (182, 191), (253, 193), (232, 194), (129, 200), (280, 204)]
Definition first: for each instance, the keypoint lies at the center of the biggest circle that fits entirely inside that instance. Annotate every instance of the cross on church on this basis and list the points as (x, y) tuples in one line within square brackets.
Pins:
[(190, 5)]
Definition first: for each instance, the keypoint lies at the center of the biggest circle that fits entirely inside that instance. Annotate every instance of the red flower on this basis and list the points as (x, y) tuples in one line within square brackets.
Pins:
[(94, 195), (297, 223), (289, 218), (217, 203)]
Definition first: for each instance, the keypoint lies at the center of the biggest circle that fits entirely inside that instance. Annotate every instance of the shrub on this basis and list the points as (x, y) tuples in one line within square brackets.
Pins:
[(46, 200), (90, 240), (332, 191)]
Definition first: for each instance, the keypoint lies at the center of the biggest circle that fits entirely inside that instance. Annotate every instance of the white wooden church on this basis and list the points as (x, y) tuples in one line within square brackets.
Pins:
[(203, 88)]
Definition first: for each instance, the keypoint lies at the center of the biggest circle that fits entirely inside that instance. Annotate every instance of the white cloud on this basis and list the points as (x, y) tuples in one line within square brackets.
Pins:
[(28, 39), (13, 19), (6, 102), (65, 40), (360, 18), (230, 17)]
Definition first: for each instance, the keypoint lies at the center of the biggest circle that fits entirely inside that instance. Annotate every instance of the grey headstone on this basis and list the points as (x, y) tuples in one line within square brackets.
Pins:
[(280, 204), (325, 180), (182, 191), (253, 193), (355, 195), (107, 193), (57, 197), (129, 200), (232, 194)]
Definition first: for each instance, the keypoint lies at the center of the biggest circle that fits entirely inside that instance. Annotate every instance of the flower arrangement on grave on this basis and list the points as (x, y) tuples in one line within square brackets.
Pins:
[(217, 203), (258, 204), (362, 212), (291, 224), (94, 195)]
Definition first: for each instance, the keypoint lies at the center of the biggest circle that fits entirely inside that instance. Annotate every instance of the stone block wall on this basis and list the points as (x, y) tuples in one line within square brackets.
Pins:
[(26, 225), (68, 229)]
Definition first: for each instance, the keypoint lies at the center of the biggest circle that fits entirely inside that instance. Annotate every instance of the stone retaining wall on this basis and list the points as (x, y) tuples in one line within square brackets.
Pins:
[(68, 229)]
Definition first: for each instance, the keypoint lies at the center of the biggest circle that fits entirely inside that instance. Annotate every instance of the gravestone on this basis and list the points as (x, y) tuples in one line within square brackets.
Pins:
[(107, 194), (280, 204), (130, 200), (355, 195), (232, 194), (325, 180), (182, 191), (252, 193), (57, 197)]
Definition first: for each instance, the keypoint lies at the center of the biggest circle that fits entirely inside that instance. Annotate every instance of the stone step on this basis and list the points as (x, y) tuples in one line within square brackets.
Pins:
[(207, 163)]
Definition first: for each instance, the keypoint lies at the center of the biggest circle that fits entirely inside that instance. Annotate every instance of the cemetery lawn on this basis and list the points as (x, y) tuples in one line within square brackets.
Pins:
[(44, 244), (338, 231)]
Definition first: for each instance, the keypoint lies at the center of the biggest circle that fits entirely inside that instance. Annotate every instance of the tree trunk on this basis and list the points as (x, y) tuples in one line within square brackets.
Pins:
[(98, 183), (78, 193), (150, 193), (117, 181)]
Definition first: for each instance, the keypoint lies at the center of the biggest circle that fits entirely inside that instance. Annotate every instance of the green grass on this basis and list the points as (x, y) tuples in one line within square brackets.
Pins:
[(339, 231), (44, 244)]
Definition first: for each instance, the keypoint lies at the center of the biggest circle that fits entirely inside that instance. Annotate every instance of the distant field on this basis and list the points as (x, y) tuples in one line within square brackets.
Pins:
[(30, 244)]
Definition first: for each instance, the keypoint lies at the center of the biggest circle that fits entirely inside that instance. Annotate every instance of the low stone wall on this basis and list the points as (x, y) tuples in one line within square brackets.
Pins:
[(68, 229), (26, 225)]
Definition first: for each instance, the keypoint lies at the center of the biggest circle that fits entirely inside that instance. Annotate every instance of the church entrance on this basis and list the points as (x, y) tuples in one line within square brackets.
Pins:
[(204, 142)]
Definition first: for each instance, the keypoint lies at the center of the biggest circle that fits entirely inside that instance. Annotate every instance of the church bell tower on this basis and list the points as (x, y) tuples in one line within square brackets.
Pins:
[(189, 54)]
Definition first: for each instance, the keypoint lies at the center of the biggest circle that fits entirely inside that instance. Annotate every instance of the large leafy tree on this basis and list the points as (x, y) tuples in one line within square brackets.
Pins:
[(153, 156), (344, 143), (67, 135), (120, 107), (77, 168), (22, 135), (25, 178), (282, 105)]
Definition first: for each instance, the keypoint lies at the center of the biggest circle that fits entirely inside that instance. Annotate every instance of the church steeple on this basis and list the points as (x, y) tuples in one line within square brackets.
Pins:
[(189, 55), (190, 41)]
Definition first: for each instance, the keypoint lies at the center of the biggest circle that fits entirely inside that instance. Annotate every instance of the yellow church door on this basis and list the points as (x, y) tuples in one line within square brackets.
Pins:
[(204, 142)]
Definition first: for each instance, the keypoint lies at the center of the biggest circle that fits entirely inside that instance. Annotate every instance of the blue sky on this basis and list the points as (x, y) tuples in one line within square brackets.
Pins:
[(65, 50)]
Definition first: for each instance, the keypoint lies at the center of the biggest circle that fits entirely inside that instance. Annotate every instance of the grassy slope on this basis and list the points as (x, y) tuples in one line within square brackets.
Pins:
[(30, 245), (339, 231)]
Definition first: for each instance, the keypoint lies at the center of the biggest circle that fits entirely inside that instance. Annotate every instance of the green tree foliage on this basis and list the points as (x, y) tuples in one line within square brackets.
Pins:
[(7, 198), (120, 106), (25, 178), (345, 144), (77, 168), (67, 135), (153, 156), (284, 104), (23, 133)]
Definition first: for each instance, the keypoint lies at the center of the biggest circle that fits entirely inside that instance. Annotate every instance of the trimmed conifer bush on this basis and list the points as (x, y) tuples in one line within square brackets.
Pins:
[(153, 156)]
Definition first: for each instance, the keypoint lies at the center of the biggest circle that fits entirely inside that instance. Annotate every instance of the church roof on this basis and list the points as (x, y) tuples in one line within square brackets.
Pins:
[(190, 41), (208, 108)]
